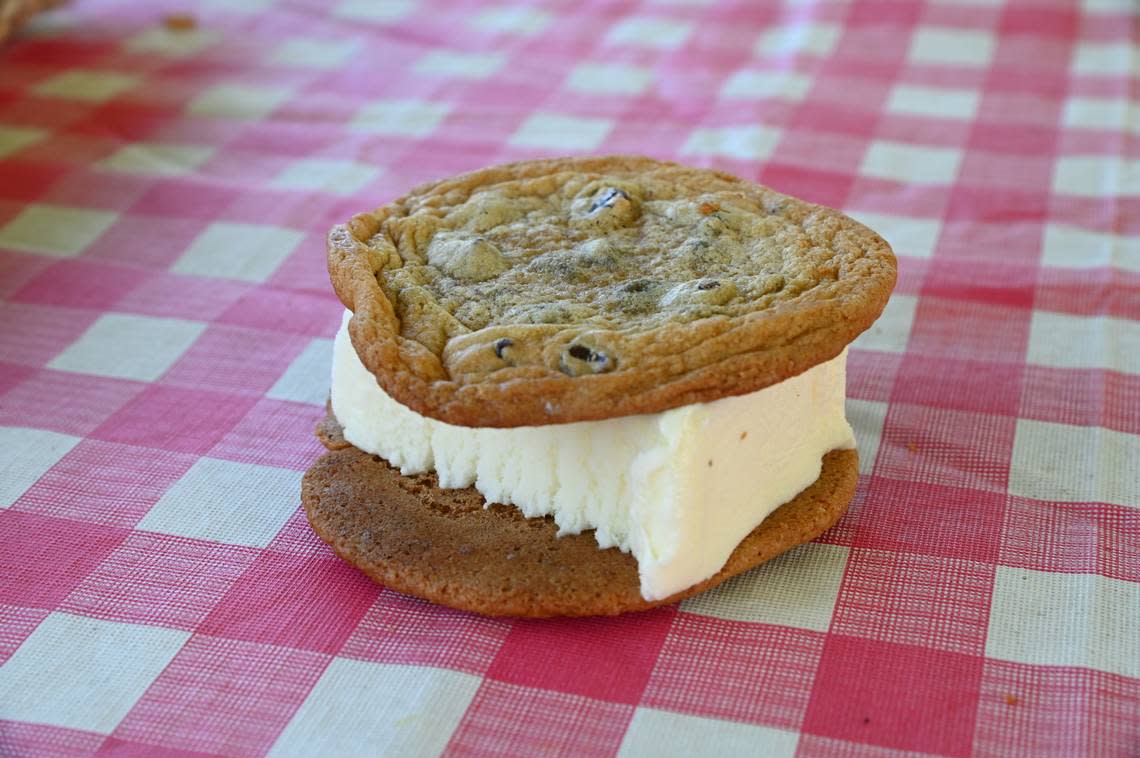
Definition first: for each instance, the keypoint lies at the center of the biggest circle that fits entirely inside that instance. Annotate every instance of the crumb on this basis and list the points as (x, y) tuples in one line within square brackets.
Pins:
[(743, 435), (707, 208), (1012, 700), (710, 462), (180, 22), (866, 720), (912, 447)]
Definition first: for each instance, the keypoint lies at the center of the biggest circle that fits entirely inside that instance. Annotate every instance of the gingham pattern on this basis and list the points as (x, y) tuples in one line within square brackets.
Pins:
[(165, 331)]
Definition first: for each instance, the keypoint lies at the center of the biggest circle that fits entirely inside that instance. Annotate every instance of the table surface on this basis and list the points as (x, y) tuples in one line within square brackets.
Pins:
[(165, 324)]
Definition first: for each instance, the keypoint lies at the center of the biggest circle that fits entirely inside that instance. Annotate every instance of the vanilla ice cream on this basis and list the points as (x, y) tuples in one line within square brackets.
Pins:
[(678, 489)]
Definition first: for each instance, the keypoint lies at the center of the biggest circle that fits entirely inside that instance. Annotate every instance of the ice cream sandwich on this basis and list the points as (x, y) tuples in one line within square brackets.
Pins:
[(589, 385)]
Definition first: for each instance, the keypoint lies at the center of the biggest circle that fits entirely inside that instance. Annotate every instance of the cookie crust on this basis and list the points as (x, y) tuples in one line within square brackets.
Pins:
[(443, 545), (578, 289)]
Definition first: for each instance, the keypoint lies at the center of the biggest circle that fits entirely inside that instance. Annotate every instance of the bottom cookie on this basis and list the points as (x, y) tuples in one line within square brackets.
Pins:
[(445, 546)]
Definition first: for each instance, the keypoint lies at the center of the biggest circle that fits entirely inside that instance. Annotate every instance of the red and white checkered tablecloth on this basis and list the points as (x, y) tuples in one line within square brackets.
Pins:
[(165, 325)]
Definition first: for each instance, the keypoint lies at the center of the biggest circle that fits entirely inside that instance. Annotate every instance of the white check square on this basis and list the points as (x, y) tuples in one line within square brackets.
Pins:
[(1071, 247), (1108, 114), (1109, 6), (87, 85), (156, 159), (1083, 464), (13, 139), (1051, 619), (28, 454), (797, 39), (301, 52), (457, 65), (127, 346), (867, 418), (654, 32), (307, 378), (663, 733), (946, 46), (891, 331), (227, 250), (918, 164), (753, 142), (385, 12), (1066, 341), (1096, 176), (609, 79), (358, 707), (1105, 59), (224, 501), (54, 230), (797, 589), (557, 132), (933, 102), (239, 102), (912, 237), (399, 118), (317, 175), (82, 673), (518, 20), (173, 44), (751, 84)]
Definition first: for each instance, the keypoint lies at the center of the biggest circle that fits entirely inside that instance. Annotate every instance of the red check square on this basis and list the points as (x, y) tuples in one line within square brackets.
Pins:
[(1072, 538), (274, 433), (946, 447), (824, 187), (604, 658), (81, 284), (1082, 397), (871, 374), (16, 623), (1034, 710), (17, 269), (64, 402), (873, 692), (35, 179), (149, 241), (105, 483), (42, 559), (235, 359), (964, 385), (251, 688), (934, 602), (735, 670), (930, 519), (969, 330), (34, 334), (160, 579), (406, 630), (117, 748), (20, 738), (313, 315), (510, 719), (306, 603), (176, 419)]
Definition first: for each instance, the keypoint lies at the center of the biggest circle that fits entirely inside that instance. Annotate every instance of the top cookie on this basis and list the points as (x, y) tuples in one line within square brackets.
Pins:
[(573, 289)]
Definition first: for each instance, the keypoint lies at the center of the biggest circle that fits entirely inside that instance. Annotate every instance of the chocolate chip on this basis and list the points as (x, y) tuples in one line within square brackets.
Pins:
[(580, 359), (583, 353), (608, 199), (501, 345), (638, 285), (708, 284)]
